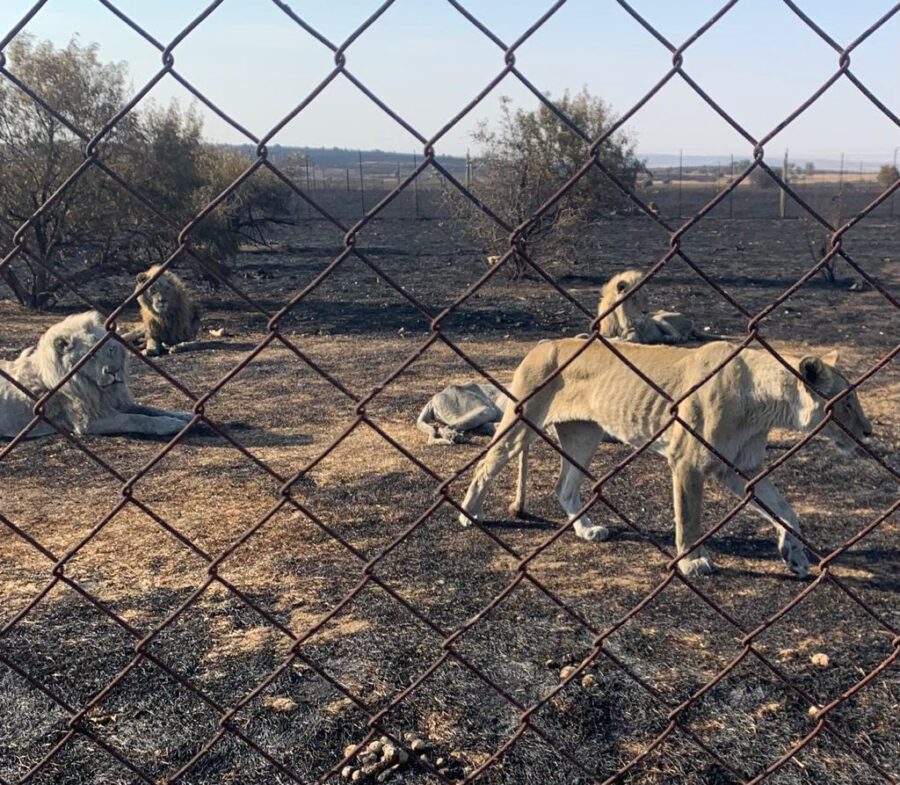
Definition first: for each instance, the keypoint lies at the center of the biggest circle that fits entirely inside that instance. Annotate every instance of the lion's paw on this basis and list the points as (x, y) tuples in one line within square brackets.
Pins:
[(699, 563), (586, 531), (794, 555), (516, 510), (167, 426), (466, 520)]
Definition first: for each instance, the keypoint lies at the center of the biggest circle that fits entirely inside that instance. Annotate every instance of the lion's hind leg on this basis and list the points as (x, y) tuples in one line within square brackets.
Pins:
[(506, 447), (578, 440), (517, 505)]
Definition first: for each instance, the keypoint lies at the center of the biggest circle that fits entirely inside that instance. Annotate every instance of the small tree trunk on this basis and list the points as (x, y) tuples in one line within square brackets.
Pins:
[(20, 292)]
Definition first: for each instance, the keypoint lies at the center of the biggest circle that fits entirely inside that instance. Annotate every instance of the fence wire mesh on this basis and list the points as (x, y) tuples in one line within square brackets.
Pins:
[(229, 728)]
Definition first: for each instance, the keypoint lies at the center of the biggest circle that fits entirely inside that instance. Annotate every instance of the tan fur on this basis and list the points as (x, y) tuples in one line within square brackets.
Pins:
[(631, 322), (95, 400), (170, 317), (598, 396)]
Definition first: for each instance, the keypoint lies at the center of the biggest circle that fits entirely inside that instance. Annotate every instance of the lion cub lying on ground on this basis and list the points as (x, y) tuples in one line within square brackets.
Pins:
[(171, 318), (597, 396), (96, 400), (631, 322)]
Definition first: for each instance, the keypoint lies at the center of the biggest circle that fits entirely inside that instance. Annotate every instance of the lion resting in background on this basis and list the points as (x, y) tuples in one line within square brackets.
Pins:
[(96, 400), (171, 318), (597, 395), (630, 321)]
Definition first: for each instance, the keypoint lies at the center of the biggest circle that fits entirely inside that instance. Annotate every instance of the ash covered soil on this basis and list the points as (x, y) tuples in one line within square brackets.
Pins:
[(216, 633)]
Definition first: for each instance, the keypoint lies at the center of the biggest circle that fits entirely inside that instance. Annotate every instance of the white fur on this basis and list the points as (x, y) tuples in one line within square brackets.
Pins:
[(96, 400)]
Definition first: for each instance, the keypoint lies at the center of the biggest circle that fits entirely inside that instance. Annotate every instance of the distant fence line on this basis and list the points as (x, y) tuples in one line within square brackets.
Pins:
[(825, 186)]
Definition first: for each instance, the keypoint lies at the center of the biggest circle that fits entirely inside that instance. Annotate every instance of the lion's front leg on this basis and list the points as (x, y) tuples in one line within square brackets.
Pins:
[(123, 422), (153, 411), (154, 348), (780, 515), (687, 492)]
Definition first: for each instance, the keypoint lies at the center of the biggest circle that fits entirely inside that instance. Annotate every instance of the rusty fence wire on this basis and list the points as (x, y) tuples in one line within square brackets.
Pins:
[(342, 54)]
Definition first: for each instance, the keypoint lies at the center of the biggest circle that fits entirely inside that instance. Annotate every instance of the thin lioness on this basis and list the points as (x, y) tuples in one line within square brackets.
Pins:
[(597, 395)]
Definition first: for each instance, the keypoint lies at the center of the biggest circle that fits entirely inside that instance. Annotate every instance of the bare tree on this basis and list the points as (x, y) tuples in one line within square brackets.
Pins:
[(888, 175), (523, 161), (95, 225)]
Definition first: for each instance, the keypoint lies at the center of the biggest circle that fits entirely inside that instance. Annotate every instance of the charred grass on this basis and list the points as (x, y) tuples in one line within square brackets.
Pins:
[(354, 567)]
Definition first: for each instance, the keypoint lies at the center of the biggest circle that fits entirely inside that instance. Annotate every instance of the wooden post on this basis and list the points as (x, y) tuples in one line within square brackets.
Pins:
[(840, 214), (415, 187), (362, 188), (731, 192), (895, 193), (781, 192), (308, 208)]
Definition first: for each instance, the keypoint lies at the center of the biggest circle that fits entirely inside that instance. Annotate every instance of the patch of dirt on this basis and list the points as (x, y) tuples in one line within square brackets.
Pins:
[(210, 526)]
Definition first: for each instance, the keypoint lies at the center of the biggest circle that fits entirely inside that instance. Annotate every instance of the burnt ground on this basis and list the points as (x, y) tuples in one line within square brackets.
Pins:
[(356, 328)]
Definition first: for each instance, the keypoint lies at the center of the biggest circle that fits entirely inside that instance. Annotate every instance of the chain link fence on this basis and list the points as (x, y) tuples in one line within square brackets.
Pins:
[(378, 720)]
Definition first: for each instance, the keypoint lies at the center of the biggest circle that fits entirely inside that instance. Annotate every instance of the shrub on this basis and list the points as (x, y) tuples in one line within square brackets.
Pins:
[(526, 158), (94, 225)]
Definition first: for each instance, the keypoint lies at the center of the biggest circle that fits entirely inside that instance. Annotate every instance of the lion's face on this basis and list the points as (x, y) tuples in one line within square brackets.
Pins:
[(66, 344), (829, 382), (158, 295), (107, 366), (623, 284)]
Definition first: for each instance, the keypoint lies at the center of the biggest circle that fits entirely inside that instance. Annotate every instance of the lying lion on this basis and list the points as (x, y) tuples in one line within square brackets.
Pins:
[(630, 321), (459, 411), (170, 317), (96, 400), (597, 396)]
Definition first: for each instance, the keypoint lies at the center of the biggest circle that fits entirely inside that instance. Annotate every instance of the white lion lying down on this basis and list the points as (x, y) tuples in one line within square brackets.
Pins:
[(631, 320), (96, 400), (461, 410)]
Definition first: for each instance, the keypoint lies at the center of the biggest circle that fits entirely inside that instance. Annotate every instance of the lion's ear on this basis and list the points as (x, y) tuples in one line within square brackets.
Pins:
[(831, 358), (622, 286), (812, 369), (142, 277), (61, 344)]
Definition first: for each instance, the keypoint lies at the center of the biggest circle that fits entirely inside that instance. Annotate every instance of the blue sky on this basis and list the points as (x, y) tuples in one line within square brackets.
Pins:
[(426, 61)]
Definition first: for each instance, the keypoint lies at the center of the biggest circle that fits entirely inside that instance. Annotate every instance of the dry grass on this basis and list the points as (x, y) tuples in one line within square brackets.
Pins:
[(368, 493)]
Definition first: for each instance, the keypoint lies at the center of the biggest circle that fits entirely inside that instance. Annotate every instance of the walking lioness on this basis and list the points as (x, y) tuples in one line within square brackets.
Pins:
[(597, 395)]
